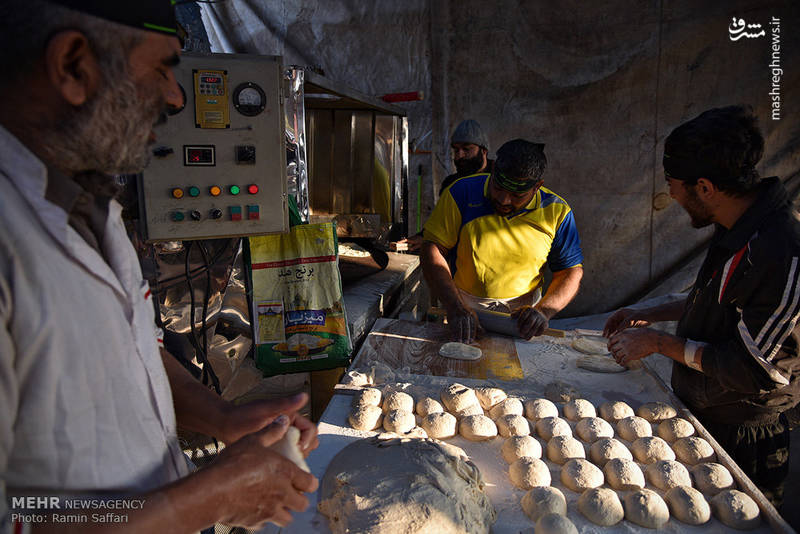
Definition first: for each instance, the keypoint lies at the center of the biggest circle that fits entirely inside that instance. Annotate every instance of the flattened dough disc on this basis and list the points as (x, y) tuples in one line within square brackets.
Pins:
[(460, 351)]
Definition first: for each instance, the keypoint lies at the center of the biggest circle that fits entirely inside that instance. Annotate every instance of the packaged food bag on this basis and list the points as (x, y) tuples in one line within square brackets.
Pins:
[(300, 323)]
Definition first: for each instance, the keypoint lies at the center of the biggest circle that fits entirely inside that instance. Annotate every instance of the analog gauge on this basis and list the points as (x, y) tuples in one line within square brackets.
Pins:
[(249, 99)]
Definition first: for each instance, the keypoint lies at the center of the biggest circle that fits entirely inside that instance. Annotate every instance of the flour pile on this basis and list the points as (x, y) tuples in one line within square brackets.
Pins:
[(392, 485)]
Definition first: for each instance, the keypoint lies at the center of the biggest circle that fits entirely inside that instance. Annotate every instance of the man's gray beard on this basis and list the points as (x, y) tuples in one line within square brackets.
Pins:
[(108, 134)]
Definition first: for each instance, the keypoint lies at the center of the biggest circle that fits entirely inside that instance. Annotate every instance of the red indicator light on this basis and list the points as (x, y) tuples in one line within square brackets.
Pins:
[(252, 189)]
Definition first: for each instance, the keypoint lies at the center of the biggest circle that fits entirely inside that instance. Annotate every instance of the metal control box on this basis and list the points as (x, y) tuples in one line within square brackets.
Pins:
[(219, 164)]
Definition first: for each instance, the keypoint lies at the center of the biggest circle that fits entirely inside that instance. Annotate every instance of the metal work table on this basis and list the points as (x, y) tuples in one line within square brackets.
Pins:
[(520, 368)]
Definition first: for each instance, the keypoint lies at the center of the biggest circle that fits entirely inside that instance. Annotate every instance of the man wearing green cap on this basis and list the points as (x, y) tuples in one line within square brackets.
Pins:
[(736, 351), (89, 398), (504, 227)]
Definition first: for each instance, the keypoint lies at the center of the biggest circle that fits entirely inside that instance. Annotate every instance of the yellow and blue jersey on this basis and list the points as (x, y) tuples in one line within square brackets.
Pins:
[(502, 256)]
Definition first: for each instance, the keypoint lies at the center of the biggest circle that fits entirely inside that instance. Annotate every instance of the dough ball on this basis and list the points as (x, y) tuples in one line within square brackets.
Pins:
[(428, 406), (651, 449), (615, 410), (560, 392), (516, 447), (440, 425), (509, 406), (688, 505), (368, 396), (477, 428), (513, 425), (655, 412), (675, 429), (536, 409), (527, 473), (488, 397), (547, 427), (646, 508), (365, 417), (397, 400), (694, 450), (623, 474), (561, 449), (399, 421), (711, 478), (605, 449), (474, 409), (457, 397), (543, 500), (460, 351), (593, 428), (578, 409), (579, 475), (555, 524), (355, 379), (601, 506), (736, 509), (667, 474), (633, 427)]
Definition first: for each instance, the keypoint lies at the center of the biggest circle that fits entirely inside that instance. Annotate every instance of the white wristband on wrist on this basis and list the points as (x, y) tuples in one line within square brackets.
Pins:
[(690, 349)]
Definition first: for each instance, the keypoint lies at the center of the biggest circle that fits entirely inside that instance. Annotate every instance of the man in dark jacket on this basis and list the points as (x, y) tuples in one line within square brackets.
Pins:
[(737, 363)]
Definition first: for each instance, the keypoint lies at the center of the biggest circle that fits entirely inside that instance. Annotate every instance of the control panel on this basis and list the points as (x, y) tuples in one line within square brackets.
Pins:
[(218, 166)]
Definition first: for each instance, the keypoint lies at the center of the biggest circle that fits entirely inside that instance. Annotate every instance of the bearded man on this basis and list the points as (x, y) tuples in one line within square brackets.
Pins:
[(503, 228), (89, 398), (736, 351)]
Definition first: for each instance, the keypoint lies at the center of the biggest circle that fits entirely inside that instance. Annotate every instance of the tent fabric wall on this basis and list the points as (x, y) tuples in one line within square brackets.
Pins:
[(601, 84)]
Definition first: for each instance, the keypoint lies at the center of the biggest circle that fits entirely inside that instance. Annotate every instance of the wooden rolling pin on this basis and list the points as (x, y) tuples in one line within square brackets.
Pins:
[(499, 322)]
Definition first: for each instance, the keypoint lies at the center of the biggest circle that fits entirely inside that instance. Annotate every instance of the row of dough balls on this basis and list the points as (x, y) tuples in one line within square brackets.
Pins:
[(602, 506), (612, 460)]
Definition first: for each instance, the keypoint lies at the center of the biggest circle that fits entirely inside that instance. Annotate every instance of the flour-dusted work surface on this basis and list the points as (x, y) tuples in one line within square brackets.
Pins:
[(542, 362)]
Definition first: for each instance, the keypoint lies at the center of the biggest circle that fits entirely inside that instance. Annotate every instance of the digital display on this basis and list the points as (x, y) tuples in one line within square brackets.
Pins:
[(210, 79), (198, 155)]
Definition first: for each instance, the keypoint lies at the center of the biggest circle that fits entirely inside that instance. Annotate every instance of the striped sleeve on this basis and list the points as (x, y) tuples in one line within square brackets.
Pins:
[(765, 322)]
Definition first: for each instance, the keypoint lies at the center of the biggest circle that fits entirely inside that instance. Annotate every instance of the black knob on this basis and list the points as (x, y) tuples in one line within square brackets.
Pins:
[(162, 151), (196, 215), (215, 213)]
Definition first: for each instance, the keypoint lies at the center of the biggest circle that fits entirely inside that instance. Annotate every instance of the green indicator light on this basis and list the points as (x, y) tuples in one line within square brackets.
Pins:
[(177, 216), (194, 191), (235, 190)]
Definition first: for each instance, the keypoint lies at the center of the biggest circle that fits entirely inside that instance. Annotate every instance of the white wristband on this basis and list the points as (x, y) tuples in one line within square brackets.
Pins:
[(690, 349)]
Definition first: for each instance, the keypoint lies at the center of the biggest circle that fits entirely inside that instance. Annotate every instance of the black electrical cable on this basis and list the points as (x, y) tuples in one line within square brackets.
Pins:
[(193, 338), (198, 270), (203, 328)]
